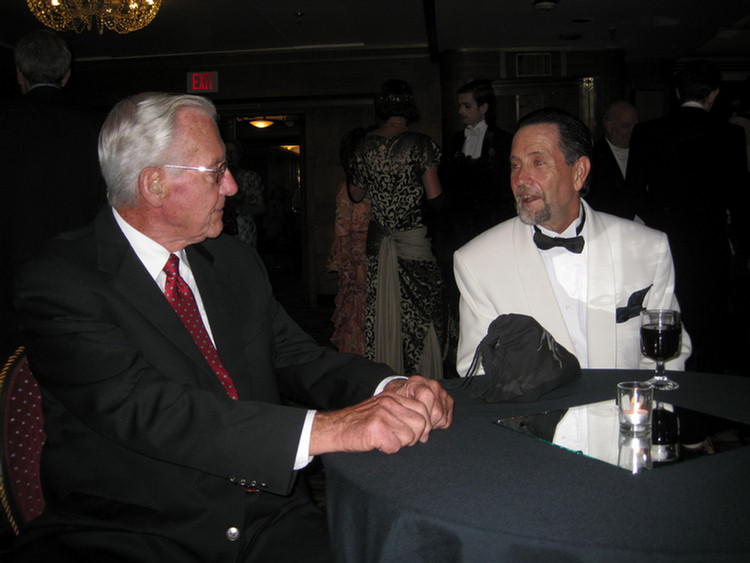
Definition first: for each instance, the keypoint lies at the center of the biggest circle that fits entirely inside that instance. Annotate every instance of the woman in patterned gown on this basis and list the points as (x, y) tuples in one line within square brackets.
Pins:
[(348, 259), (397, 170)]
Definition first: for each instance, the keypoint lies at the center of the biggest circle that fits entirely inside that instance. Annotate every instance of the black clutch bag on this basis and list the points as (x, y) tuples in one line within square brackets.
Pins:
[(521, 360)]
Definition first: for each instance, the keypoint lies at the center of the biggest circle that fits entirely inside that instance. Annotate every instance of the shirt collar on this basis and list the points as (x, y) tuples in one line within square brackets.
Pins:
[(692, 104), (615, 149), (44, 85), (479, 128), (153, 255), (571, 230)]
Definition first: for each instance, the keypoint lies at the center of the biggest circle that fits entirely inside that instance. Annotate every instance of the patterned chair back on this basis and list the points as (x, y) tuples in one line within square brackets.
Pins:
[(21, 439)]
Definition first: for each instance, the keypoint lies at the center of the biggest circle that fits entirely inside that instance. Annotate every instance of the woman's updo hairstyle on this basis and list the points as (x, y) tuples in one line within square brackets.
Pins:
[(396, 98)]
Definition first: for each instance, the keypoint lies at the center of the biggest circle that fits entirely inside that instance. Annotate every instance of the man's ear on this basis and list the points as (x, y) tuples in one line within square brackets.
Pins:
[(581, 170), (709, 103), (65, 79), (152, 185), (23, 84)]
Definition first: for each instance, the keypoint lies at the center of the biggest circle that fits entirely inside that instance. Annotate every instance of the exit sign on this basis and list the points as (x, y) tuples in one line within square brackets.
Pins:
[(202, 82)]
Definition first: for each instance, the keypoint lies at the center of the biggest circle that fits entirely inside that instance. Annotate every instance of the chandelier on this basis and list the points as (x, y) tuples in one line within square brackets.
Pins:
[(121, 16)]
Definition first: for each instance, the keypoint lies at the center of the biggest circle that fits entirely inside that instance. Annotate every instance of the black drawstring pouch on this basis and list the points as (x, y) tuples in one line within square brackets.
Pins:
[(521, 360)]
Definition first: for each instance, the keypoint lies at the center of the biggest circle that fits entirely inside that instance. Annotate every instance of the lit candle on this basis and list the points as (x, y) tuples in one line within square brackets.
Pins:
[(636, 416), (634, 401)]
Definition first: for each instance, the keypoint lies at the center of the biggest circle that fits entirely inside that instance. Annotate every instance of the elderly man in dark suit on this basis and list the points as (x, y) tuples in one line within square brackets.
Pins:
[(689, 169), (609, 162), (163, 359), (50, 181)]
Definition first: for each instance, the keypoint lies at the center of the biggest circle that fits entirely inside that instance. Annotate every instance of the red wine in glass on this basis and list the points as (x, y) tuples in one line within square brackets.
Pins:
[(661, 340)]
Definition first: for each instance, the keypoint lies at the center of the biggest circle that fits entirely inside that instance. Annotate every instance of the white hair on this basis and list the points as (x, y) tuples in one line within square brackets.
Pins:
[(138, 133)]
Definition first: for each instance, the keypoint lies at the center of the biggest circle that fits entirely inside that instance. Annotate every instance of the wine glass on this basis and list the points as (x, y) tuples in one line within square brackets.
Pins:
[(661, 340)]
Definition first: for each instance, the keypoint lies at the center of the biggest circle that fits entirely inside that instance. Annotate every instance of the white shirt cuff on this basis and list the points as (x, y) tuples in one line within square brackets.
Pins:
[(303, 457), (303, 449), (386, 381)]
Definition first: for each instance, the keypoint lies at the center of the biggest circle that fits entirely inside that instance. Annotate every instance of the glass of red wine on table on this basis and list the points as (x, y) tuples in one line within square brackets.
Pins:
[(661, 340)]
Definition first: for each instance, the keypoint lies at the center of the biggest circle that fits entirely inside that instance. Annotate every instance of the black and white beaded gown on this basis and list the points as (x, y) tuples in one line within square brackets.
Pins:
[(390, 168)]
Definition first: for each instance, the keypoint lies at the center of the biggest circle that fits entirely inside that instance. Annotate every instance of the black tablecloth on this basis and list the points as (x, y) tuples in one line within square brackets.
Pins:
[(478, 492)]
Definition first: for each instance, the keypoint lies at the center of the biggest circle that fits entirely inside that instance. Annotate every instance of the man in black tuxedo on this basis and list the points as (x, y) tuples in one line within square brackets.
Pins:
[(150, 455), (475, 176), (609, 162), (689, 169), (50, 181)]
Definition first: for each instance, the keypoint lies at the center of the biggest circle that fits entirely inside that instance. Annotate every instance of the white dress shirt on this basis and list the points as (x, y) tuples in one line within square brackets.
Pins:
[(621, 156), (568, 274), (474, 137)]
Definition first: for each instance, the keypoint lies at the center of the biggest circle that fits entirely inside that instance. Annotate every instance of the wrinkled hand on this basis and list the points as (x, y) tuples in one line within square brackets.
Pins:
[(428, 392), (402, 415)]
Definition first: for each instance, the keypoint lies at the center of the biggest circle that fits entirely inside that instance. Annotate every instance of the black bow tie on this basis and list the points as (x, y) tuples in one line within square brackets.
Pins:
[(573, 244)]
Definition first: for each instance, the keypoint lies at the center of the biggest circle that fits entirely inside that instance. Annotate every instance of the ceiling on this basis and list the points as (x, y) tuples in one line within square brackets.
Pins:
[(642, 28)]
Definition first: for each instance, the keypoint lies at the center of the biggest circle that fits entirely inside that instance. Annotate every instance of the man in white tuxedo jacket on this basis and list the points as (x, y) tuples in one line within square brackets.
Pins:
[(589, 298)]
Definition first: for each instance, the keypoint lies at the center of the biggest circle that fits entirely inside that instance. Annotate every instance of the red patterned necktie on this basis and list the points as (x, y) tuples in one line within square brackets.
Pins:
[(181, 298)]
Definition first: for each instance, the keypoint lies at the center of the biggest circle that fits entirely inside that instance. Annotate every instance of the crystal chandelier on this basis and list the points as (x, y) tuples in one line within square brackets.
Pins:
[(121, 16)]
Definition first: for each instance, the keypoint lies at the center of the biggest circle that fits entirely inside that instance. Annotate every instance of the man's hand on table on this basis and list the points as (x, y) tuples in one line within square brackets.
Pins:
[(403, 414), (428, 392)]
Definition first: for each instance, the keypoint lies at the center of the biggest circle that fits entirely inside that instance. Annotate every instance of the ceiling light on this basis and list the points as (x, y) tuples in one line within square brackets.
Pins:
[(545, 5), (261, 123), (120, 16)]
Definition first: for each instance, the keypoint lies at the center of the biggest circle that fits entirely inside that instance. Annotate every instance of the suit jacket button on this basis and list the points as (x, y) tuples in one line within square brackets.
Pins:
[(233, 534)]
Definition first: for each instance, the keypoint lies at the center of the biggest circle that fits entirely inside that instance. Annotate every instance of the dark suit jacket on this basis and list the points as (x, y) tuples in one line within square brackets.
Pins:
[(477, 190), (687, 170), (141, 437), (50, 180), (607, 191)]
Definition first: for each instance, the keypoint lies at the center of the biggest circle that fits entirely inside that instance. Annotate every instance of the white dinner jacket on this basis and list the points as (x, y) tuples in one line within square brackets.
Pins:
[(501, 271)]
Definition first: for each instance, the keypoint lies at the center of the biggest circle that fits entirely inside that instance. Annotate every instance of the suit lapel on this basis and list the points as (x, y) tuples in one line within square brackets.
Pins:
[(610, 163), (220, 302), (127, 276), (488, 144), (602, 292)]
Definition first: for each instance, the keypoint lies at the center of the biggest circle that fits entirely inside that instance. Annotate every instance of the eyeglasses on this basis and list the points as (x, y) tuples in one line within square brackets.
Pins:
[(219, 172)]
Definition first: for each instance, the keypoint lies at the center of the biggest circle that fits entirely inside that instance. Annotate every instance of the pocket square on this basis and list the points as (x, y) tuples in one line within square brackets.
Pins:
[(634, 306)]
